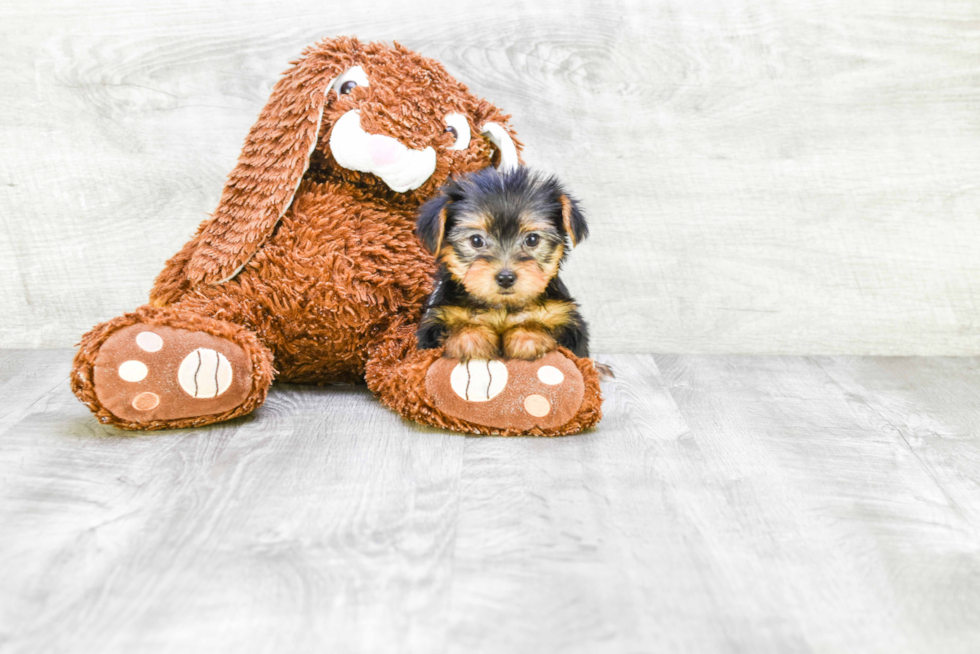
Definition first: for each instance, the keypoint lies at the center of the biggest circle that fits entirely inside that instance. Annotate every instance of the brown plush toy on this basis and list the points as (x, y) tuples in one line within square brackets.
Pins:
[(310, 266)]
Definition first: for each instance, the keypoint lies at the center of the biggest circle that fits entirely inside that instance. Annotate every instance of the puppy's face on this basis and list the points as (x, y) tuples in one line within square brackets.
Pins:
[(502, 236), (505, 257)]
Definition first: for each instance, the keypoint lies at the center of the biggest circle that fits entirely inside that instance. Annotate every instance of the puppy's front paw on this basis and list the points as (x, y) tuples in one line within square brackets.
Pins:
[(527, 344), (472, 343)]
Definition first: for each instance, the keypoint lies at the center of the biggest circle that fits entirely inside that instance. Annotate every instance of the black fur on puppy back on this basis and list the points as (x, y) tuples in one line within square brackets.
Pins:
[(575, 333)]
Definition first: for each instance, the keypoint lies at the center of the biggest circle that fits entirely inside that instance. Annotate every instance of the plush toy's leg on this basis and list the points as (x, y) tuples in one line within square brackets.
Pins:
[(553, 396), (162, 368)]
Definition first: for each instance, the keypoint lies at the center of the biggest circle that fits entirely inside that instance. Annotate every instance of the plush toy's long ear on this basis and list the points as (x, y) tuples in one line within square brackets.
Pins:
[(274, 158), (573, 220), (431, 226)]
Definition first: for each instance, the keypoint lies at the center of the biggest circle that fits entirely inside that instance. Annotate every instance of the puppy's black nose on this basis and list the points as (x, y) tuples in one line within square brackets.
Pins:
[(506, 279)]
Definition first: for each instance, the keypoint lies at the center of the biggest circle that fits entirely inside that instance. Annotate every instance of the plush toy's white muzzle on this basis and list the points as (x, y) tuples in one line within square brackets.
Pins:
[(401, 168)]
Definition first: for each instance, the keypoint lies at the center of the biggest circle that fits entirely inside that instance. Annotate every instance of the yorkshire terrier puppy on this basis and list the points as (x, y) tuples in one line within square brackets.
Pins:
[(500, 239)]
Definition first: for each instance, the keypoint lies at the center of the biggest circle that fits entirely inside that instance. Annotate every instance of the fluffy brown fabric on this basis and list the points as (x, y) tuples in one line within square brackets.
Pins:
[(82, 375), (397, 374), (408, 97), (315, 266)]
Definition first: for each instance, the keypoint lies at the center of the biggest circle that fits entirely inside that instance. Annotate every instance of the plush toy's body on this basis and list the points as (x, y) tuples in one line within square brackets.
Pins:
[(310, 265), (321, 292)]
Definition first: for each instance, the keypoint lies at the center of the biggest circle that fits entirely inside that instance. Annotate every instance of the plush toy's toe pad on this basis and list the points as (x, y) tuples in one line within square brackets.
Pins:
[(146, 373), (512, 394)]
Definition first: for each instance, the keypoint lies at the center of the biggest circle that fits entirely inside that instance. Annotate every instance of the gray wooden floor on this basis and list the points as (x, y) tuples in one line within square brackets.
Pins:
[(726, 503)]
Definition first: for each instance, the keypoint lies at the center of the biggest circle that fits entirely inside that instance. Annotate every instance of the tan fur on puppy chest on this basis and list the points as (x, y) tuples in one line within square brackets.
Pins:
[(520, 334), (550, 315)]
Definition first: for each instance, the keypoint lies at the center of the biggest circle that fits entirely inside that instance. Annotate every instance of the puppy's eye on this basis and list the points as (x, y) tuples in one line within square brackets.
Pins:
[(351, 79), (459, 127), (531, 240), (477, 241)]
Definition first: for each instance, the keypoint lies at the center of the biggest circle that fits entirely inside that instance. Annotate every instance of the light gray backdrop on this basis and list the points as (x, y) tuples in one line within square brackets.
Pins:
[(796, 177)]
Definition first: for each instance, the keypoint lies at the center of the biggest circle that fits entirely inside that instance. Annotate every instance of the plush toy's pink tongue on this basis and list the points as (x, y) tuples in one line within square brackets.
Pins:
[(384, 150)]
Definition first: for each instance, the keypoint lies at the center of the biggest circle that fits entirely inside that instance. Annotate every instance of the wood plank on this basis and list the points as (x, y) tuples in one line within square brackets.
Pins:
[(569, 545), (825, 526), (26, 377), (763, 504), (324, 521), (934, 406), (761, 177)]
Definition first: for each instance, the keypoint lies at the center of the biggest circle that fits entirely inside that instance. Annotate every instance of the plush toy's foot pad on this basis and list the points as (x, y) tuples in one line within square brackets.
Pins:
[(508, 395), (145, 373)]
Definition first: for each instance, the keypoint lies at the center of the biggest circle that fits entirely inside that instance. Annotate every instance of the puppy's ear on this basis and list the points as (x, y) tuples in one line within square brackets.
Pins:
[(431, 225), (573, 220)]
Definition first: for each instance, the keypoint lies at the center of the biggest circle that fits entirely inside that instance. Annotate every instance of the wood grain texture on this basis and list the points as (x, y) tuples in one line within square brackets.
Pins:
[(761, 177), (725, 504)]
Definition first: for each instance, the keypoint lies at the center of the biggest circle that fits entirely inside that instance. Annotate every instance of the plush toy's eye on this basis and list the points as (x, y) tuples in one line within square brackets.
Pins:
[(531, 240), (351, 79), (459, 127), (477, 241)]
